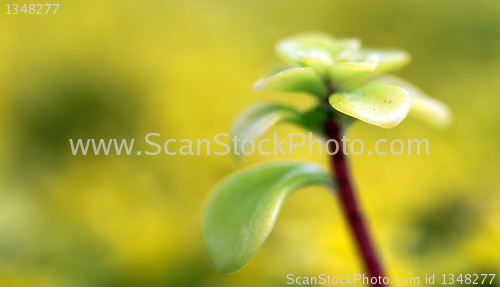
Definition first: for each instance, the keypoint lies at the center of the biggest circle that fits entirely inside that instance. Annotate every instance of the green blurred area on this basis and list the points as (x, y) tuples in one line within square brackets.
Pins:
[(184, 69)]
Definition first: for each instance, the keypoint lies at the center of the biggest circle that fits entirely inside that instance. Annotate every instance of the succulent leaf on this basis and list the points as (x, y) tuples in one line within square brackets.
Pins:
[(429, 109), (381, 105), (260, 118), (301, 80), (242, 210), (390, 60), (312, 44), (344, 75), (316, 50)]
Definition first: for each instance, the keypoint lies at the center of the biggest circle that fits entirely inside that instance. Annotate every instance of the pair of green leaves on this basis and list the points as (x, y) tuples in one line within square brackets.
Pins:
[(385, 101), (244, 207)]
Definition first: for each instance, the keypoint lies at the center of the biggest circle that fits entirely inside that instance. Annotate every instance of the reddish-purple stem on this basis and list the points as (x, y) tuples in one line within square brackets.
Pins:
[(350, 206)]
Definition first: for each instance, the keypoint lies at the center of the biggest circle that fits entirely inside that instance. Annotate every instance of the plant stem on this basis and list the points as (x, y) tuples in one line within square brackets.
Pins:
[(340, 171)]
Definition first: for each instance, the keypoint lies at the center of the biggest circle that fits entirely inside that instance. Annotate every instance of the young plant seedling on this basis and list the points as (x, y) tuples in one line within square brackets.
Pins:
[(350, 83)]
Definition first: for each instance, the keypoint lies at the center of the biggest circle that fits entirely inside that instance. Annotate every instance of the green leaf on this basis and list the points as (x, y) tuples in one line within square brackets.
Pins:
[(346, 74), (381, 105), (389, 60), (302, 80), (318, 64), (316, 50), (260, 118), (321, 60), (306, 45), (242, 210), (346, 49), (276, 68), (423, 106)]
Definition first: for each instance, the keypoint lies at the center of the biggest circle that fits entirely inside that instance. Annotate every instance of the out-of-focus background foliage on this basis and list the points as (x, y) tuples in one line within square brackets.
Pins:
[(184, 69)]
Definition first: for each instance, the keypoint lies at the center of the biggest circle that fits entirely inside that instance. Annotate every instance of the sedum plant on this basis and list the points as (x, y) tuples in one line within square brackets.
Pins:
[(350, 83)]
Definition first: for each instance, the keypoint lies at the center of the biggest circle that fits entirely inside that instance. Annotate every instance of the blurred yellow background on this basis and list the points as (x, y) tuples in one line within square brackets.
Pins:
[(184, 69)]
